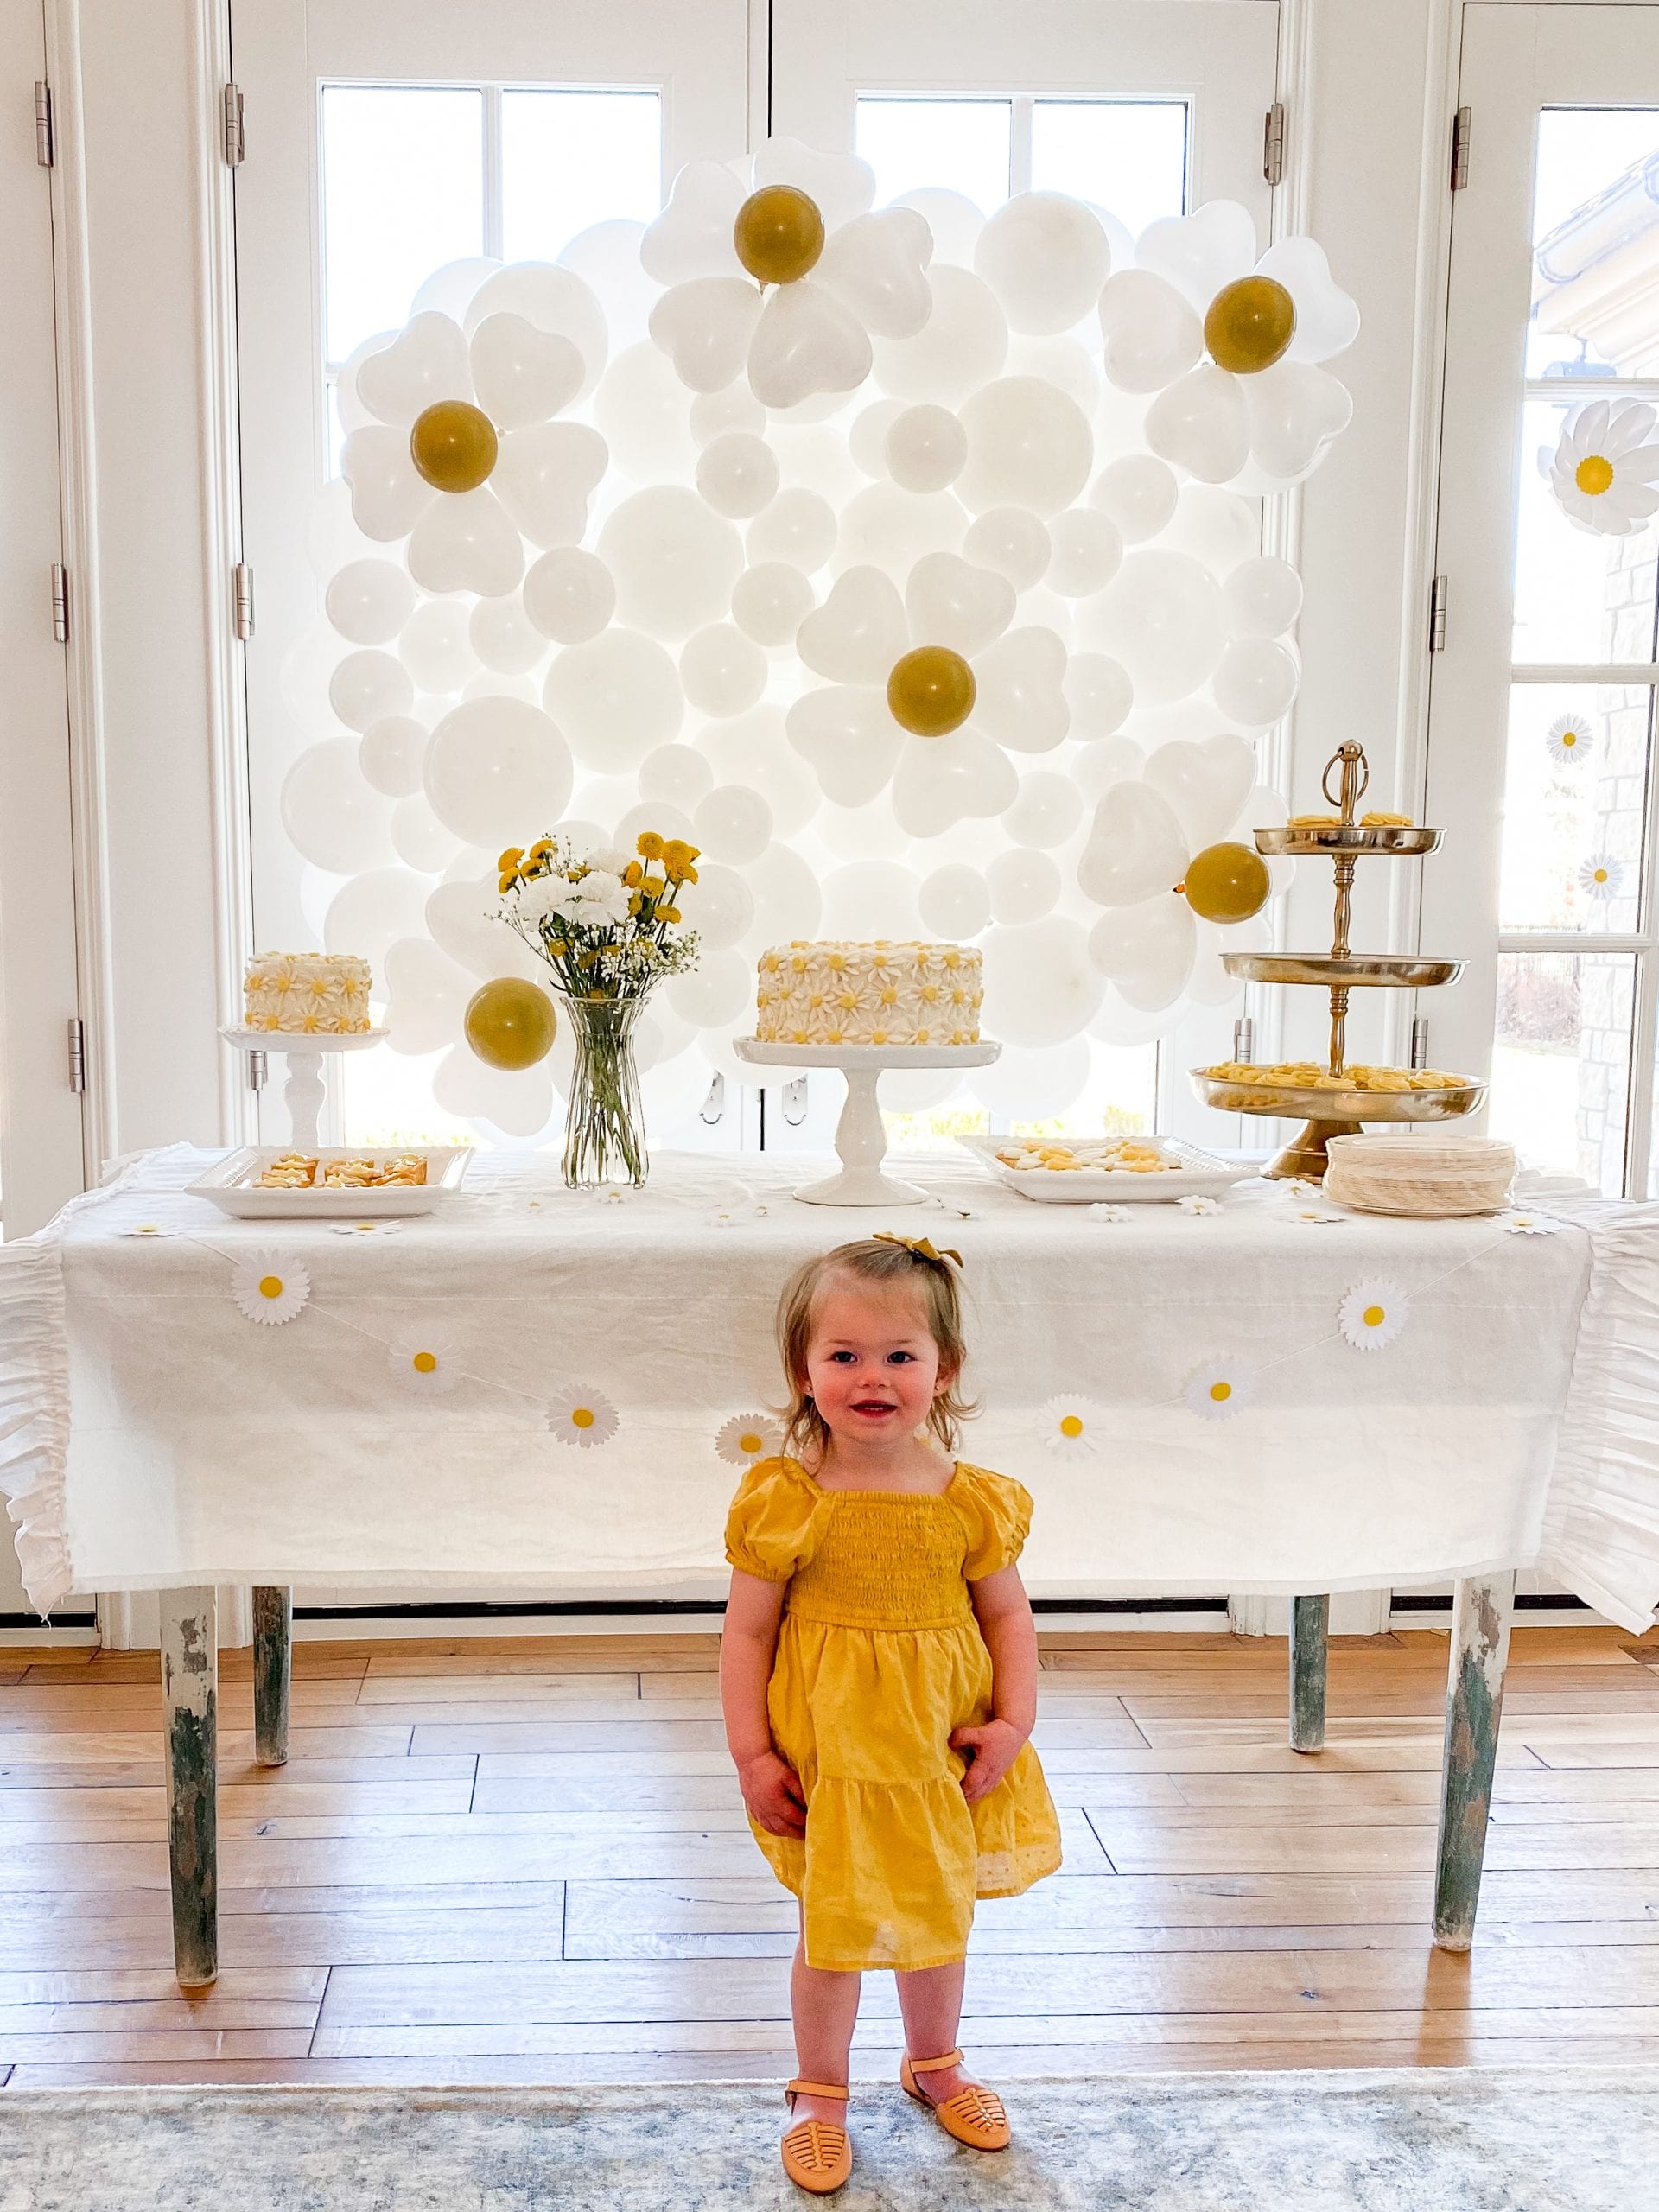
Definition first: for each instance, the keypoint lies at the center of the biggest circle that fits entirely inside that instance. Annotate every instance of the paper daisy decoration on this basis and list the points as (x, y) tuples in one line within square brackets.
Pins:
[(268, 1288), (1604, 470), (580, 1417), (1316, 1216), (1373, 1314), (1071, 1427), (146, 1229), (1194, 1202), (1218, 1389), (747, 1438), (1103, 1210), (739, 1210), (364, 1228), (1570, 737), (1602, 876), (1530, 1224), (423, 1362)]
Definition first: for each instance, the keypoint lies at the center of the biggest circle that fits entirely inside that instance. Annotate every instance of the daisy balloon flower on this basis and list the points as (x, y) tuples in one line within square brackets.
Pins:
[(1604, 473)]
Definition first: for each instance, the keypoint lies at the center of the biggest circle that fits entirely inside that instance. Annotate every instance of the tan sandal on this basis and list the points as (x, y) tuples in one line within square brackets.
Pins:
[(975, 2115), (817, 2155)]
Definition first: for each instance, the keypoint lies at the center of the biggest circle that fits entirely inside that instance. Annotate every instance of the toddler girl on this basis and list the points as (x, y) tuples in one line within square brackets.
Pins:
[(879, 1680)]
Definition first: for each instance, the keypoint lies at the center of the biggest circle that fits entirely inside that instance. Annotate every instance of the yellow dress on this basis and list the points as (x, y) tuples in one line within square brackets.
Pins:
[(879, 1658)]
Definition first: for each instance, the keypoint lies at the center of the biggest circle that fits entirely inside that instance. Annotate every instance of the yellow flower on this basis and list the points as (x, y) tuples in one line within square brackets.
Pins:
[(542, 846), (508, 878), (635, 903), (668, 913), (650, 845), (557, 947), (652, 885), (631, 875), (690, 875), (509, 861), (677, 856)]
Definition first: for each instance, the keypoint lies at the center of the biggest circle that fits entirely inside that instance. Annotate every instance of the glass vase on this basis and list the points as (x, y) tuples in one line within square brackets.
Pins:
[(604, 1122)]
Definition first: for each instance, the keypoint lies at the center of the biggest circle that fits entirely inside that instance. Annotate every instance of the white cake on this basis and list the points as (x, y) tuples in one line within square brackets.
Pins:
[(879, 994), (314, 993)]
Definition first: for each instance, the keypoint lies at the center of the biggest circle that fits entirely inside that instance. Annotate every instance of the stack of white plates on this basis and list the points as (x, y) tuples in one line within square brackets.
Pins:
[(1416, 1174)]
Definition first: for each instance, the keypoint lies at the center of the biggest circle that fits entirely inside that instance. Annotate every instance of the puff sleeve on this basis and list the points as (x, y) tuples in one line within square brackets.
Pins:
[(995, 1511), (769, 1526)]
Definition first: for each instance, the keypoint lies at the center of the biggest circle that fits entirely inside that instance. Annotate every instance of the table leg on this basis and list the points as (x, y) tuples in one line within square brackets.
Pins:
[(1474, 1701), (273, 1628), (1310, 1621), (190, 1701)]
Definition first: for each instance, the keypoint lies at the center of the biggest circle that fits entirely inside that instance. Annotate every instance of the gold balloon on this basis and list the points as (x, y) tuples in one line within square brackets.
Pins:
[(1249, 325), (1227, 883), (453, 445), (510, 1023), (931, 691), (779, 234)]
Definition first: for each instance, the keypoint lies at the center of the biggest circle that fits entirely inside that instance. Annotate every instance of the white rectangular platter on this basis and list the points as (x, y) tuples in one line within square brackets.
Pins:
[(1192, 1174), (234, 1186)]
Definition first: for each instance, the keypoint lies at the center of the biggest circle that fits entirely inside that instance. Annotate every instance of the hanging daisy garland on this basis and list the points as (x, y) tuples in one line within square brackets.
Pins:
[(748, 1436), (269, 1289), (1218, 1389), (583, 1417), (424, 1364), (1603, 469), (1570, 737), (1602, 876), (1071, 1427), (1372, 1314)]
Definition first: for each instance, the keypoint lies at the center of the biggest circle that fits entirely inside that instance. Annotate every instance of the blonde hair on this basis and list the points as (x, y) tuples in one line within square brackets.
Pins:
[(878, 1261)]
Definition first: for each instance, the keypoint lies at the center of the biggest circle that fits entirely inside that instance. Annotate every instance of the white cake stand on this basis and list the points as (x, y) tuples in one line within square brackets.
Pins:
[(861, 1139), (302, 1093)]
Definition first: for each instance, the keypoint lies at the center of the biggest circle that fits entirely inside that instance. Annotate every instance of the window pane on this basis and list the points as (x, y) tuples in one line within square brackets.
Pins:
[(1575, 799), (961, 144), (1126, 155), (572, 159), (1561, 1061), (1579, 594), (402, 192), (1595, 230)]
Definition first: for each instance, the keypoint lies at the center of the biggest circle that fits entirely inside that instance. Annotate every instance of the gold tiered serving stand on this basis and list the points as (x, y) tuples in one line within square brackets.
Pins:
[(1332, 1107)]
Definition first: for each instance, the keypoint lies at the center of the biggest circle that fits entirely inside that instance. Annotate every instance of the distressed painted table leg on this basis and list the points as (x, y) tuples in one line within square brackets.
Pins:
[(1474, 1701), (190, 1717), (1310, 1621), (273, 1627)]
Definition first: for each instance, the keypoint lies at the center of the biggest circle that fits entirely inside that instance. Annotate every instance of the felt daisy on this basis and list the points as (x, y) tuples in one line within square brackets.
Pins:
[(729, 1216), (580, 1417), (610, 1194), (364, 1228), (747, 1438), (1603, 469), (1570, 737), (1218, 1389), (1316, 1216), (423, 1362), (1530, 1224), (1602, 876), (1071, 1427), (1372, 1314), (1195, 1203), (268, 1288), (146, 1229), (1102, 1209)]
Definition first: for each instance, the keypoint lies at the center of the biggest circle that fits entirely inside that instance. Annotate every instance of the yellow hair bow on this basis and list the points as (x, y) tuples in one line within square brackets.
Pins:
[(920, 1245)]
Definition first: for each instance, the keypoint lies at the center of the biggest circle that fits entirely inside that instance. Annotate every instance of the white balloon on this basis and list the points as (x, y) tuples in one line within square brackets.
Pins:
[(351, 410), (367, 686), (1215, 526), (388, 497), (1048, 810), (866, 440), (1028, 446), (1201, 425), (716, 991), (331, 537), (1088, 552), (737, 474), (1294, 409), (733, 824), (720, 906), (859, 833), (643, 412), (1327, 320), (1147, 950), (704, 326), (1200, 252), (504, 636), (675, 1087), (926, 448), (850, 739), (606, 255), (676, 774), (955, 901), (497, 772), (462, 916), (788, 903), (425, 362), (1152, 334), (1108, 760), (753, 750), (1023, 886), (722, 672), (1136, 847), (1137, 493), (1045, 257), (770, 603), (436, 646), (390, 754), (953, 219), (520, 374), (1012, 542), (451, 289), (518, 1102), (859, 631), (1040, 985), (1033, 1086), (1205, 784), (1060, 362), (916, 1091), (736, 408), (806, 342), (885, 527), (466, 541), (1098, 693), (667, 821), (1262, 597), (555, 300), (692, 237), (569, 595), (1021, 703), (875, 266), (487, 684), (950, 603), (798, 527), (1161, 619), (419, 839), (616, 697), (674, 562), (1255, 680), (428, 992), (369, 601), (940, 779), (332, 817), (963, 345), (545, 477), (367, 913), (1210, 984), (871, 898)]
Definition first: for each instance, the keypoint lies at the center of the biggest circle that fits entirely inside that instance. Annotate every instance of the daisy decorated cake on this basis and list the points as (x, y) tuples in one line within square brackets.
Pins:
[(315, 994), (885, 992)]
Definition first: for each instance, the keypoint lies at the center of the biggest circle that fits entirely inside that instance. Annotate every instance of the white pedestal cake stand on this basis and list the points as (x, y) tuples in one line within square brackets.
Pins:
[(302, 1093), (861, 1139)]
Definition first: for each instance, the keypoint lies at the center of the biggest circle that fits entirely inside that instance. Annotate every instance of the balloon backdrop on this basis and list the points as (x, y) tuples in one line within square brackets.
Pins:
[(905, 559)]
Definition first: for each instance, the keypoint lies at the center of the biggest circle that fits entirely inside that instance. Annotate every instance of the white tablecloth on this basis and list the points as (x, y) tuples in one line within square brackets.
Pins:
[(151, 1436)]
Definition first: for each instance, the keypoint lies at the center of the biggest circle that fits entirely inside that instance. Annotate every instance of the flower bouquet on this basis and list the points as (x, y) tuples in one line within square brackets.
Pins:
[(609, 924)]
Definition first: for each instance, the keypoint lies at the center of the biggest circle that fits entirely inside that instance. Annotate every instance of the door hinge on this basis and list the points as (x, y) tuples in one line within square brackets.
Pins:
[(242, 600), (1460, 150), (1272, 143), (794, 1100), (1419, 1041), (77, 1053), (714, 1106), (1437, 597), (236, 145), (59, 602), (1244, 1040), (45, 149), (258, 1066)]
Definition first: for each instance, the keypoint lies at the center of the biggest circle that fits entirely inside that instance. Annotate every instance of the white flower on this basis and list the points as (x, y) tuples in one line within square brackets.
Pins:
[(1602, 876), (583, 1418), (542, 896), (1372, 1314), (599, 898), (1604, 469), (1530, 1224), (1299, 1186), (1071, 1427), (1570, 737), (748, 1436), (268, 1288), (1316, 1216), (364, 1228), (737, 1211), (423, 1362), (146, 1229), (1101, 1210), (1195, 1203), (1218, 1389), (612, 861), (611, 1194)]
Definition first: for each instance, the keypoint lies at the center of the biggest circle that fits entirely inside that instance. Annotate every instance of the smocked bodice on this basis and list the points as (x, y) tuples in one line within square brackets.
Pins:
[(885, 1558)]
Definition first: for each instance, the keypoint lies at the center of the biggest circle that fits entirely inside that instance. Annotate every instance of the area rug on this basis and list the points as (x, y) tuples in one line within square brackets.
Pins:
[(1509, 2139)]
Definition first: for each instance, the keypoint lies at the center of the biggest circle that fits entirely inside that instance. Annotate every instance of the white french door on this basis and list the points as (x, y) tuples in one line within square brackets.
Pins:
[(1540, 734)]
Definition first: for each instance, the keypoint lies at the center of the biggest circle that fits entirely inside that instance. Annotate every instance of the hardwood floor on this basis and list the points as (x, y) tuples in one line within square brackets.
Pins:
[(527, 1860)]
